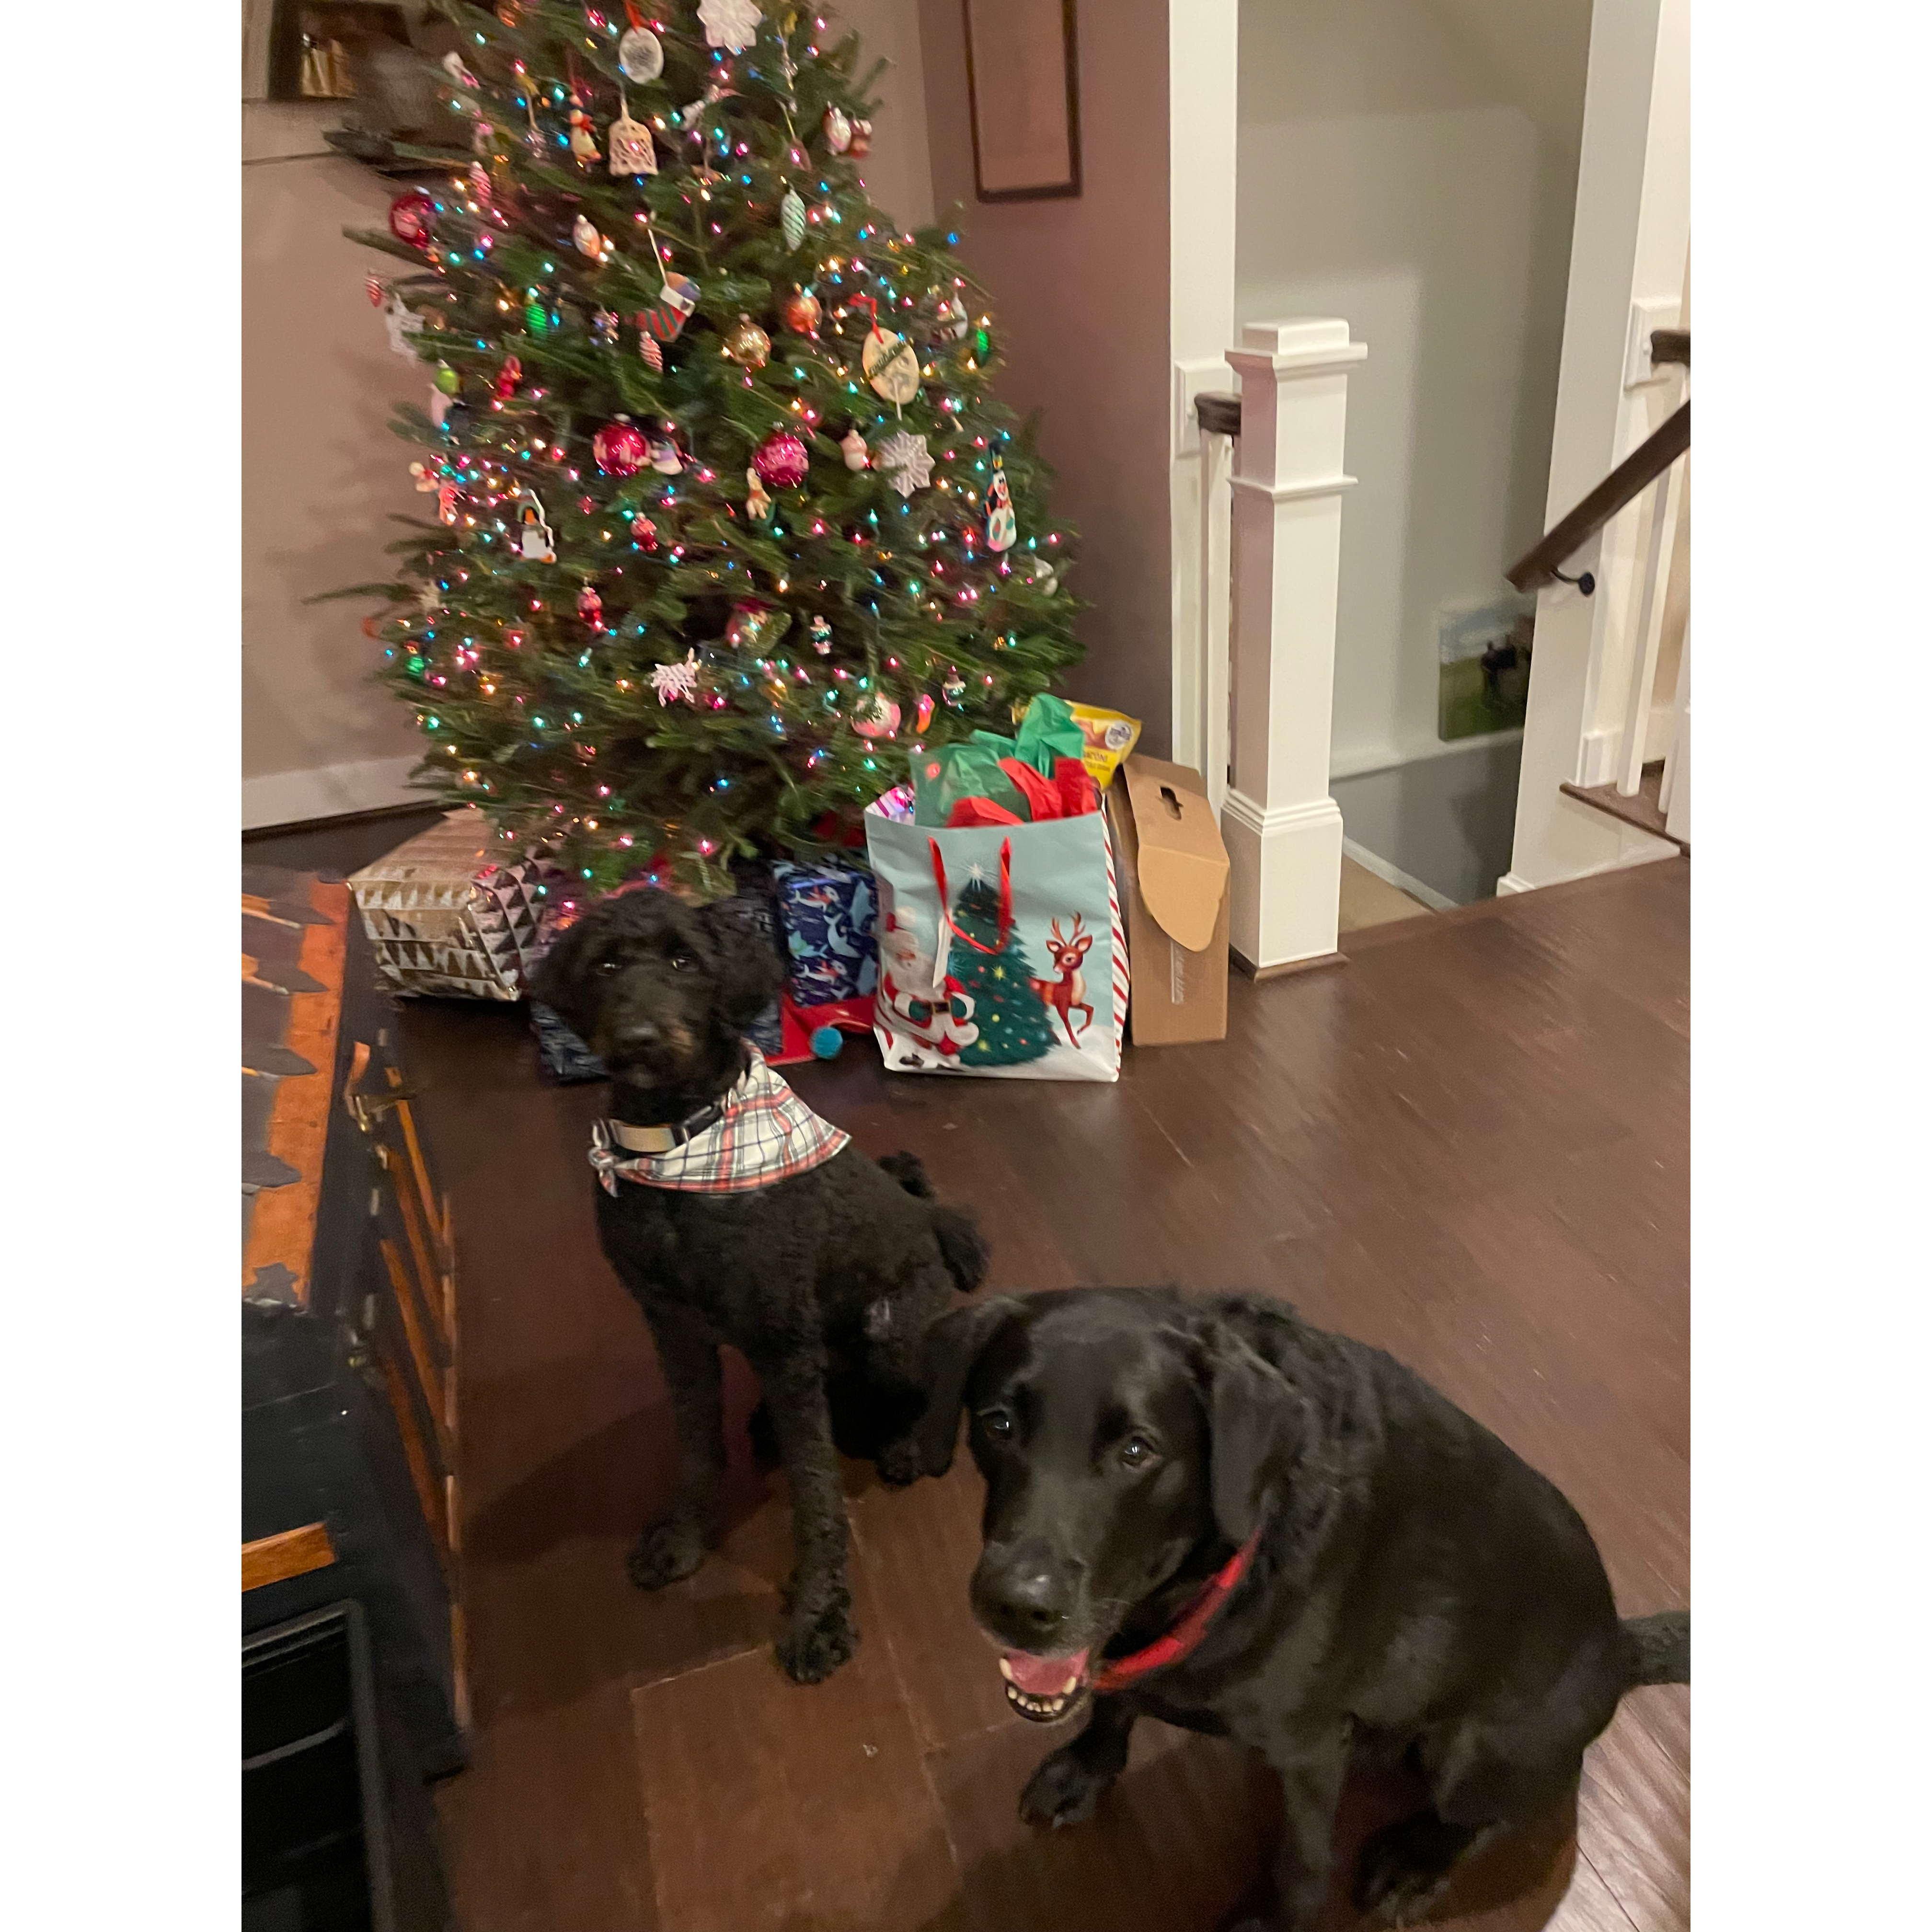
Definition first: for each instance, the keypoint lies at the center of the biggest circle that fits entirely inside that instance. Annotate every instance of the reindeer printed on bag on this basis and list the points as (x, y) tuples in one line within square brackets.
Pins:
[(1067, 995)]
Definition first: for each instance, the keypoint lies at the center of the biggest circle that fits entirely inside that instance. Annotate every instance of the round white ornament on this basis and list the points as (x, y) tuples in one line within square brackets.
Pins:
[(640, 54), (837, 131), (890, 366)]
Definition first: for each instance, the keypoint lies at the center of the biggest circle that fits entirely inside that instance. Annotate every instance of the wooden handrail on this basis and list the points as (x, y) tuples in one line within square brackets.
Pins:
[(1670, 345), (1218, 413), (1643, 465)]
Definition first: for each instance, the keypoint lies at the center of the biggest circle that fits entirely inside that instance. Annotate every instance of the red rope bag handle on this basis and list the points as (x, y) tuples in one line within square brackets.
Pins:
[(1006, 925)]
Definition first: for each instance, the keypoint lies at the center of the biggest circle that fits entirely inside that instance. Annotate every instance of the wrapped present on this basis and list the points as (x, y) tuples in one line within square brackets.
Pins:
[(564, 1056), (448, 912), (826, 913)]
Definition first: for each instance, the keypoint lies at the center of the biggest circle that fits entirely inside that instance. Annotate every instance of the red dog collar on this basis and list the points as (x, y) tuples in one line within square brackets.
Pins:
[(1189, 1629)]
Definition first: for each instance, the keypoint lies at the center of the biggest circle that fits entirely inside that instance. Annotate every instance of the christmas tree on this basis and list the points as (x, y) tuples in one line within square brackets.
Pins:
[(727, 520), (1013, 1025)]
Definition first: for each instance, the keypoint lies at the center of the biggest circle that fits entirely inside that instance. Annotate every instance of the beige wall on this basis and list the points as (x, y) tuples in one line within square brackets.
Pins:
[(1080, 291), (1394, 171), (321, 475)]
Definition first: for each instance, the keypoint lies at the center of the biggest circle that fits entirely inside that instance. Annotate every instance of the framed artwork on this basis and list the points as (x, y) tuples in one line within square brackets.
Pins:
[(318, 49), (1023, 90)]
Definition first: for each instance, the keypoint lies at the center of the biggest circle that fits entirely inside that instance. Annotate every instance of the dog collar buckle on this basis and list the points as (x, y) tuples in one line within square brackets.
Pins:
[(663, 1140)]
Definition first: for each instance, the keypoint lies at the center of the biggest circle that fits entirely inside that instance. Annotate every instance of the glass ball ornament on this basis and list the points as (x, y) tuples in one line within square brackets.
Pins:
[(781, 461), (620, 448), (447, 380), (801, 313), (748, 345), (413, 217)]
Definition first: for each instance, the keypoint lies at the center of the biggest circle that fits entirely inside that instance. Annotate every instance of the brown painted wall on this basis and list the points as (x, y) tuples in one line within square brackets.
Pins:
[(1080, 291)]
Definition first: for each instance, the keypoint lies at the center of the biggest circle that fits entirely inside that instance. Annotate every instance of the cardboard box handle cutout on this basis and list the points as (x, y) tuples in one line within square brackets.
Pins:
[(1183, 864)]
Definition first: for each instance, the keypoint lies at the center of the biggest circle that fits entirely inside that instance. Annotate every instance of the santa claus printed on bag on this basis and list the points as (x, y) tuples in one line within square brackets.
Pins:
[(929, 1026)]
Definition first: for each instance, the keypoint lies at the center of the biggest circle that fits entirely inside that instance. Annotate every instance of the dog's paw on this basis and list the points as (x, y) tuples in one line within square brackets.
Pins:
[(664, 1552), (814, 1646), (1395, 1884), (902, 1463), (1065, 1790)]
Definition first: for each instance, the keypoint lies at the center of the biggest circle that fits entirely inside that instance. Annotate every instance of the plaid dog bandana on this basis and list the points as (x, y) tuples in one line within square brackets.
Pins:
[(763, 1133)]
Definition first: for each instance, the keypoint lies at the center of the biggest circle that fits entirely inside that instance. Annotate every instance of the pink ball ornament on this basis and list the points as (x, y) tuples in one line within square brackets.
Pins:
[(781, 461), (619, 448), (878, 717)]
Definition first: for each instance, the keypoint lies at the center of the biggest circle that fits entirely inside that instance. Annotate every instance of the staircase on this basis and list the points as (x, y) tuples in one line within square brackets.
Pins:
[(1638, 771)]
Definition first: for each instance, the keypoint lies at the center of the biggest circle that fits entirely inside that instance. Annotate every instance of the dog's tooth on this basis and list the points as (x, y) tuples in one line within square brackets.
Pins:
[(1006, 1670)]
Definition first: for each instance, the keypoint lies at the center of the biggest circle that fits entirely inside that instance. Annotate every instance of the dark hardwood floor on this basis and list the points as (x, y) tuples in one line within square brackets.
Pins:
[(1469, 1145)]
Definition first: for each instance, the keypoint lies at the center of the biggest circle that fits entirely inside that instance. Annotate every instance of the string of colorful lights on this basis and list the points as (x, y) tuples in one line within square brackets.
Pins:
[(727, 518)]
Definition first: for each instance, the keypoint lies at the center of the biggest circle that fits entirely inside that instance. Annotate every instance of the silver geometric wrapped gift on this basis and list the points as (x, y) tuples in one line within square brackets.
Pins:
[(446, 916)]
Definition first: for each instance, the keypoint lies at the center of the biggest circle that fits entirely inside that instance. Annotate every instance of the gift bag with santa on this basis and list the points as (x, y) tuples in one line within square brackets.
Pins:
[(1001, 948)]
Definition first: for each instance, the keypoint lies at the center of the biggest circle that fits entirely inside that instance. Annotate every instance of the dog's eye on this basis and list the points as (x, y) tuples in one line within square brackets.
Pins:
[(1137, 1452), (682, 962), (611, 963), (996, 1422)]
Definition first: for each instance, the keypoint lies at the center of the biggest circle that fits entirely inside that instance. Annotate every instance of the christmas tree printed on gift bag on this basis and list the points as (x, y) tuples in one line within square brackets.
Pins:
[(1013, 1024)]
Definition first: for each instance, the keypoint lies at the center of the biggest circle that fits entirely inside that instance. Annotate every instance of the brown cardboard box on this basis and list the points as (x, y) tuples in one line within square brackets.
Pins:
[(1175, 870)]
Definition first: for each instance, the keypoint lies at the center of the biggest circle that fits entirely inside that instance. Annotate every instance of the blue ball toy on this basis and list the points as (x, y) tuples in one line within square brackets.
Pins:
[(827, 1041)]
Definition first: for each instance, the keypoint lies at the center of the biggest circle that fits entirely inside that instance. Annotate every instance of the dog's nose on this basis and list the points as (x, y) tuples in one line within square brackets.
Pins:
[(639, 1033), (1026, 1597)]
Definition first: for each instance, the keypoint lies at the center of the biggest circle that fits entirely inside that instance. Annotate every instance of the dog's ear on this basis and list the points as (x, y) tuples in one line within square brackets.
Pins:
[(744, 964), (558, 980), (953, 1346), (1255, 1424)]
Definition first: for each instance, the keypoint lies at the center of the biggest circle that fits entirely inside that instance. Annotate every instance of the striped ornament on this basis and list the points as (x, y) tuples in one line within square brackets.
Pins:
[(667, 315)]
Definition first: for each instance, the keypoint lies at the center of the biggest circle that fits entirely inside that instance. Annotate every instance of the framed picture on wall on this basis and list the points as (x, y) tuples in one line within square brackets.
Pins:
[(1023, 90)]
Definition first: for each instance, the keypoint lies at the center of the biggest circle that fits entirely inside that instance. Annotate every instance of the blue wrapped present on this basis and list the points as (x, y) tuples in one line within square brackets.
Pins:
[(828, 914)]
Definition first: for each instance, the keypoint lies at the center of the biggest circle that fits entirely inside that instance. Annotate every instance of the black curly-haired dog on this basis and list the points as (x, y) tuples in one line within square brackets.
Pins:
[(1208, 1512), (826, 1280)]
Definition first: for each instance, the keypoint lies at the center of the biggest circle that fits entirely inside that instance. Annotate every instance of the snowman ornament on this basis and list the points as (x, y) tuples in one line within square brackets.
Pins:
[(1001, 529)]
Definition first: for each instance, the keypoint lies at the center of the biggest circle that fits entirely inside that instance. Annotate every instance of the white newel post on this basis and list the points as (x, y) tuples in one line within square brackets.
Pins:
[(1282, 831)]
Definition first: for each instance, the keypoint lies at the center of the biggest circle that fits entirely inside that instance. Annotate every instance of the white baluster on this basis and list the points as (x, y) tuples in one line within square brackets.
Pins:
[(1647, 636), (1216, 452), (1674, 799), (1282, 830)]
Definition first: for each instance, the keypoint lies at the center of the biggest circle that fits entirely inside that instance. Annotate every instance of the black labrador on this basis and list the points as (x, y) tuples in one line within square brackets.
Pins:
[(826, 1279), (1208, 1512)]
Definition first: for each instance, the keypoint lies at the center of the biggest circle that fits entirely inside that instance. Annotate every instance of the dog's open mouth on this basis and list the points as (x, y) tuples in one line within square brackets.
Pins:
[(1044, 1688)]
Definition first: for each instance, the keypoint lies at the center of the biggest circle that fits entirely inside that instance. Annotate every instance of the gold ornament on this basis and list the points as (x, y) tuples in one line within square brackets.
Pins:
[(748, 344)]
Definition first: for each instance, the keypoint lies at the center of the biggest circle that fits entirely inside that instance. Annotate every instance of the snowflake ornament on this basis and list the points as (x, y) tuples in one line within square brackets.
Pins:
[(906, 461), (730, 23), (677, 680)]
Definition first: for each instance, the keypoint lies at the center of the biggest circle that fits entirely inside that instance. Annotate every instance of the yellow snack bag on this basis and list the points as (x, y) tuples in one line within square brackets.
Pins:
[(1110, 736)]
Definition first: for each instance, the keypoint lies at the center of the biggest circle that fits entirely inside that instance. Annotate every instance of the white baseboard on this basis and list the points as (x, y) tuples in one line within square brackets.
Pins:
[(328, 791), (1510, 882), (1364, 761), (1394, 875)]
